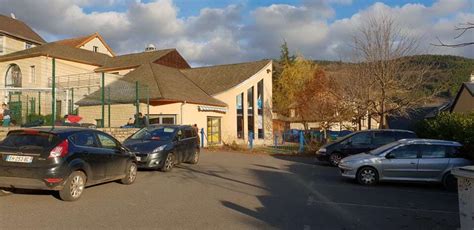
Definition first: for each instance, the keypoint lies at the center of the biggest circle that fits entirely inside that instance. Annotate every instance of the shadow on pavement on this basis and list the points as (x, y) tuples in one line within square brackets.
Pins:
[(309, 196)]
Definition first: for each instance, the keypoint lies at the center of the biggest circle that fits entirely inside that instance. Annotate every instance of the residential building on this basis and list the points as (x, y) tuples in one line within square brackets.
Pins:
[(230, 102), (464, 100), (15, 35)]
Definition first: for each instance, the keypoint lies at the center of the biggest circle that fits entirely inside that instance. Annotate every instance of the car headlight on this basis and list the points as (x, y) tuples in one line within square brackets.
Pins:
[(322, 150), (159, 149)]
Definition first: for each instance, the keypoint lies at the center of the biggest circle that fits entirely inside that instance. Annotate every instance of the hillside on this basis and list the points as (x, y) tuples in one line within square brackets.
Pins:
[(448, 72)]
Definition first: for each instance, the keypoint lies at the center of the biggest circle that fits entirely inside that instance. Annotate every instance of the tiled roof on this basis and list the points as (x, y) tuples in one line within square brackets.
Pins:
[(164, 83), (133, 60), (60, 51), (19, 29), (80, 41), (216, 79)]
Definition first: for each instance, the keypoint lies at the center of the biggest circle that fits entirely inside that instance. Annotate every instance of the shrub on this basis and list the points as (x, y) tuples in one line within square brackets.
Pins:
[(450, 126)]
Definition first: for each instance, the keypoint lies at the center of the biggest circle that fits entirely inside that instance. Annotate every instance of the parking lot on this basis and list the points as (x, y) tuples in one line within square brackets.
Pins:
[(238, 191)]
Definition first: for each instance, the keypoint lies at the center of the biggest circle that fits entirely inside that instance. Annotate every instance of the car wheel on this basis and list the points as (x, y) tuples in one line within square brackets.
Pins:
[(335, 159), (131, 174), (195, 159), (367, 176), (450, 182), (73, 187), (169, 163)]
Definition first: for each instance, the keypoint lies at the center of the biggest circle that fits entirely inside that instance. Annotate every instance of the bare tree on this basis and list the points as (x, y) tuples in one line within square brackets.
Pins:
[(462, 28), (388, 83)]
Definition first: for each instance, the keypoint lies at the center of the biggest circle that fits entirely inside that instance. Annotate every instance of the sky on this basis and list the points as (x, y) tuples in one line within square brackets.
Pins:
[(209, 32)]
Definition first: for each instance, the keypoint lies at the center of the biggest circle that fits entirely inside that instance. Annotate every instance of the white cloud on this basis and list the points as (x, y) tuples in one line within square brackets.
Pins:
[(224, 35)]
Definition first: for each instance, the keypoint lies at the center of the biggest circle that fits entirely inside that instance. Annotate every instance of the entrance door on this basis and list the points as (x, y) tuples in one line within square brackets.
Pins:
[(213, 130)]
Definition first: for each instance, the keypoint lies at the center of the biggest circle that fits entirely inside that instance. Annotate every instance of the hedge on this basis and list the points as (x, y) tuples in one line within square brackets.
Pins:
[(450, 126)]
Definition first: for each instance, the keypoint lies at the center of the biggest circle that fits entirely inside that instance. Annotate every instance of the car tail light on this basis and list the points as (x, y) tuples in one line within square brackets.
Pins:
[(60, 150), (53, 180)]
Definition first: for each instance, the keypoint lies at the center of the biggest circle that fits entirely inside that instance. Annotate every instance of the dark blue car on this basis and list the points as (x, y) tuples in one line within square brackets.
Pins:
[(163, 146)]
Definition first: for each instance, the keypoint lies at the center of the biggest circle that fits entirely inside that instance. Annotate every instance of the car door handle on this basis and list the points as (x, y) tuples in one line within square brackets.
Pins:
[(413, 163)]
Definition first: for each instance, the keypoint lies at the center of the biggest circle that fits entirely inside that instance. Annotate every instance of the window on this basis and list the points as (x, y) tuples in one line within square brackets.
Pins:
[(240, 115), (260, 121), (405, 152), (361, 138), (95, 49), (250, 106), (382, 138), (106, 141), (84, 139), (32, 74), (453, 151), (162, 119), (188, 133), (28, 45), (213, 130), (433, 151)]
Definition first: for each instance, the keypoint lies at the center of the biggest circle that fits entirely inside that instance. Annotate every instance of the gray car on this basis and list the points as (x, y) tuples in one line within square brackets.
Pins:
[(406, 160)]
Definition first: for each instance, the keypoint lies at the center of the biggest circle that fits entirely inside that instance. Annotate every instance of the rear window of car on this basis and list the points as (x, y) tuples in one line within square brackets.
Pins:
[(33, 139), (404, 135)]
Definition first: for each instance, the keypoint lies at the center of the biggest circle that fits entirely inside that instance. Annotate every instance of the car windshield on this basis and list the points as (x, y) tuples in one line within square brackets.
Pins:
[(154, 133), (383, 148)]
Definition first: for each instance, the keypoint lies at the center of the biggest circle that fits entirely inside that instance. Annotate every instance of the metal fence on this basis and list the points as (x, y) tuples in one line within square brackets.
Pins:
[(54, 100)]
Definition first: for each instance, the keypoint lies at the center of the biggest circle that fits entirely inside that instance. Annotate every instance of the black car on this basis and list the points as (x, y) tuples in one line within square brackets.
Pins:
[(163, 146), (358, 142), (63, 159)]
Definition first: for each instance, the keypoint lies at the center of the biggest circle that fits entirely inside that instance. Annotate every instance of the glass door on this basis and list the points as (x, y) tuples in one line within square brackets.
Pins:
[(213, 130)]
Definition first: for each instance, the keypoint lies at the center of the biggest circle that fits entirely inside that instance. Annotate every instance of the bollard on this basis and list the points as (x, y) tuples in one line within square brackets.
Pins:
[(465, 176), (202, 137), (301, 142), (251, 140)]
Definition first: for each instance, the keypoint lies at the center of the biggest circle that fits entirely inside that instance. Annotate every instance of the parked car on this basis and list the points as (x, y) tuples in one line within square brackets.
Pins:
[(63, 159), (406, 160), (163, 146), (358, 142)]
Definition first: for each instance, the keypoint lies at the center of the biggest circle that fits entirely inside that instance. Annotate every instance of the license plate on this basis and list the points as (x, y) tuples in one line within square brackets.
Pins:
[(20, 159), (139, 158)]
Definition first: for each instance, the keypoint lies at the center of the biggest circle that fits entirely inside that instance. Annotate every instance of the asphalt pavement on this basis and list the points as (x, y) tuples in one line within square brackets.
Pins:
[(238, 191)]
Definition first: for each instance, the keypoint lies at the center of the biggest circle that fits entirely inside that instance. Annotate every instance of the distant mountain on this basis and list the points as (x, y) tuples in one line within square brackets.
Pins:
[(448, 72)]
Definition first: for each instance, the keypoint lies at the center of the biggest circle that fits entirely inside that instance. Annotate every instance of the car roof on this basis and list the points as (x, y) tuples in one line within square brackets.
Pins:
[(58, 129), (385, 130), (429, 141), (170, 126)]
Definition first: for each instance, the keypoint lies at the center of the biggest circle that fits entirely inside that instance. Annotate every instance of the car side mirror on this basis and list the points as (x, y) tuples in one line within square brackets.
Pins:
[(389, 156)]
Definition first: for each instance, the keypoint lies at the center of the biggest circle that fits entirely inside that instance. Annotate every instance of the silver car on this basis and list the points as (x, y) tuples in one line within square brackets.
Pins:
[(406, 160)]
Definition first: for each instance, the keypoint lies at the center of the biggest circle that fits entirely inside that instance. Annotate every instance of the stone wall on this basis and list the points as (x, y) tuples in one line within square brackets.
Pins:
[(119, 133)]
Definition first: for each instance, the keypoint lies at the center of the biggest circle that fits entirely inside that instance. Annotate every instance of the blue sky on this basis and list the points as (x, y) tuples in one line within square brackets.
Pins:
[(208, 32)]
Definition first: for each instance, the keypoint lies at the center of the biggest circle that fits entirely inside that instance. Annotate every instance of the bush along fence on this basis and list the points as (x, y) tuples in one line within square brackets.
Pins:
[(450, 126)]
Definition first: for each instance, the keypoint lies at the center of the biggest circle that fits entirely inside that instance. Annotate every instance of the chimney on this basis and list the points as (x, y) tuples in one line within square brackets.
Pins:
[(472, 77), (150, 47)]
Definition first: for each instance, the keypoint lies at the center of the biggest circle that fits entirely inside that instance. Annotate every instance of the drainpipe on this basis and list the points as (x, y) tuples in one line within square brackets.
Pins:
[(182, 104)]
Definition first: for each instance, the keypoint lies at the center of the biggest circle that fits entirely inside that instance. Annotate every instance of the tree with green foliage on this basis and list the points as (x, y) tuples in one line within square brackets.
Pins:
[(286, 59), (450, 126)]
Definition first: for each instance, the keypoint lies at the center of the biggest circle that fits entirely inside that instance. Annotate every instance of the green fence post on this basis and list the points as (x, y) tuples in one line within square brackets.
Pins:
[(108, 105), (137, 100), (53, 92), (27, 105), (72, 101), (39, 103), (103, 99), (148, 104)]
